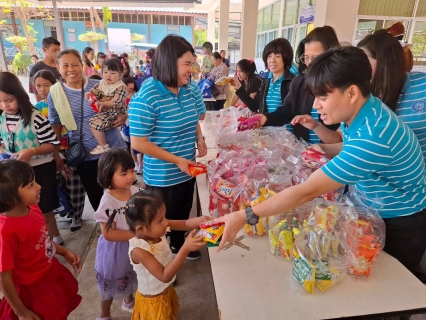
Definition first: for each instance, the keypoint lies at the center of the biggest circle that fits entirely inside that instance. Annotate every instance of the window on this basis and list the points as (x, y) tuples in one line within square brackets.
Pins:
[(188, 21), (114, 17), (419, 43), (275, 20), (134, 18), (260, 20), (175, 20), (368, 26), (181, 21), (421, 9), (173, 30), (155, 19), (168, 20), (290, 12), (386, 8), (267, 13)]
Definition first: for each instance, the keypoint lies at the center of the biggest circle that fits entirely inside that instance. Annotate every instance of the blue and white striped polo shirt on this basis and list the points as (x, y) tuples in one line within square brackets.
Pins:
[(382, 157), (170, 122), (273, 96), (412, 106), (113, 136)]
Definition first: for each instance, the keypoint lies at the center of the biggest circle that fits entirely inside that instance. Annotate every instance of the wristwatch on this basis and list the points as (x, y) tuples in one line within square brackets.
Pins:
[(251, 218)]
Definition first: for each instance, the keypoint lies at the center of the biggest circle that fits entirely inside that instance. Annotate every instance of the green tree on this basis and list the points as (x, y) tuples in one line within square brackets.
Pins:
[(20, 42), (137, 37), (200, 36), (92, 37), (419, 44), (25, 11), (21, 62)]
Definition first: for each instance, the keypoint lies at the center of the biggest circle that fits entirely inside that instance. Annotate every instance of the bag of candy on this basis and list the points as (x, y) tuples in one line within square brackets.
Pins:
[(211, 232), (283, 229), (322, 254), (368, 236), (4, 155)]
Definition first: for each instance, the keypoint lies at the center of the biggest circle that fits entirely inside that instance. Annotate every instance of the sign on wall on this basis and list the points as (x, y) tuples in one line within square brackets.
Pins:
[(307, 15)]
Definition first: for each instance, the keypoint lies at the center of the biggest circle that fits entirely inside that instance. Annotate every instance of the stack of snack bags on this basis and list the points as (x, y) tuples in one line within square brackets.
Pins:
[(313, 160), (369, 236), (284, 228), (322, 254)]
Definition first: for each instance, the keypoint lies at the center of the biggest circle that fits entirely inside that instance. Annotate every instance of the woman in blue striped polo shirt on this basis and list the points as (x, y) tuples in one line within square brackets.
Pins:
[(380, 155), (164, 127), (404, 93)]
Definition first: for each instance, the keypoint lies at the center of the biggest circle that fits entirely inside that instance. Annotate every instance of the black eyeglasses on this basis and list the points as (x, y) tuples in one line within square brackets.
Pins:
[(10, 137)]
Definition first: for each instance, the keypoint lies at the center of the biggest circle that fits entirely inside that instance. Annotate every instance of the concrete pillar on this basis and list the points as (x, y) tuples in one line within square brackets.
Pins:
[(3, 62), (339, 14), (223, 25), (249, 28), (280, 25), (211, 24), (58, 24)]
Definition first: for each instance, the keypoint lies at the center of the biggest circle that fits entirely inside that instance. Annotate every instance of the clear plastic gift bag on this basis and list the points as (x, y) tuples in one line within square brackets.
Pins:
[(322, 252)]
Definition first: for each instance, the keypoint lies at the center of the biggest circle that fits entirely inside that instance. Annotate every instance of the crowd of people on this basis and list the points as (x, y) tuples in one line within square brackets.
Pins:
[(95, 120)]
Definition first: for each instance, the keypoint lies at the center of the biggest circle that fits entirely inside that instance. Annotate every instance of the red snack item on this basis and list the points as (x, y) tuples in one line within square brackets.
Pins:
[(248, 123), (211, 223), (92, 100), (314, 158), (197, 168)]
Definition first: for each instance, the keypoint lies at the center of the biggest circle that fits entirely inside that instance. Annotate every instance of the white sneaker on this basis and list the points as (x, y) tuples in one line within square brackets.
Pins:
[(100, 149)]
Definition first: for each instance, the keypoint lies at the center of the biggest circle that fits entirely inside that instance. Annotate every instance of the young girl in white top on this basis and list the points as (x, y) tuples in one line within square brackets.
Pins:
[(114, 273), (151, 256)]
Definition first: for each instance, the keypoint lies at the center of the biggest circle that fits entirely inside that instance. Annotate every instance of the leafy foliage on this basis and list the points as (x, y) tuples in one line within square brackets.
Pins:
[(91, 36), (137, 37)]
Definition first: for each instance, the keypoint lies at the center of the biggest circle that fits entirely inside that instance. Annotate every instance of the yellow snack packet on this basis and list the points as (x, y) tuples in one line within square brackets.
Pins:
[(223, 81), (274, 245), (286, 243)]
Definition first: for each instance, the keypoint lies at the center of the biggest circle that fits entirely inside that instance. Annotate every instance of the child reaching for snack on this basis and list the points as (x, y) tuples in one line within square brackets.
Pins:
[(34, 283), (110, 99), (151, 256)]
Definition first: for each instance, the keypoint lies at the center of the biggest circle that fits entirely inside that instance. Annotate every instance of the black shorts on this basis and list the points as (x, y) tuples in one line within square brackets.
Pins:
[(45, 176)]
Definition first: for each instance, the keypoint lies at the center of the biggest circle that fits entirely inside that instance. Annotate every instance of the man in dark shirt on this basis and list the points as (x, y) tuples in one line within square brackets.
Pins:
[(225, 60), (51, 48)]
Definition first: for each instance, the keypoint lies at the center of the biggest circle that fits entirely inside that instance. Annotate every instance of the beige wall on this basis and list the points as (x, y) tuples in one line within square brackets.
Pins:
[(339, 14)]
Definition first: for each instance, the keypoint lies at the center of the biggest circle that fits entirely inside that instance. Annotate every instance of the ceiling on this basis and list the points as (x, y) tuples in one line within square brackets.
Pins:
[(126, 3)]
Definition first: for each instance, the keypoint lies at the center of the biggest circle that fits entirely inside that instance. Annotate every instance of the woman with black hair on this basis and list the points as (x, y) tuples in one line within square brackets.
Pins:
[(251, 82), (88, 67), (164, 127), (404, 93), (299, 100), (219, 70), (277, 57)]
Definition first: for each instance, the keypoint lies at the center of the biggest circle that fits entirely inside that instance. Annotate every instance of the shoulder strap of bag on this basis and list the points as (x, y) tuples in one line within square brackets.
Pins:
[(81, 110)]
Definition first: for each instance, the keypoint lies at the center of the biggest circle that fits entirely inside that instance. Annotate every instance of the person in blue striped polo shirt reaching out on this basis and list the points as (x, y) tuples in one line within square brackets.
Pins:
[(163, 118), (380, 155)]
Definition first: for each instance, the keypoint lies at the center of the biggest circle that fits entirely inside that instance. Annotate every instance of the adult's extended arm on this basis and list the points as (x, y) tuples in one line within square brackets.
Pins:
[(317, 184)]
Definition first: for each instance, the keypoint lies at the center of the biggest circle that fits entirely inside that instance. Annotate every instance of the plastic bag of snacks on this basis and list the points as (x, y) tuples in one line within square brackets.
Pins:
[(261, 228), (322, 254), (4, 155), (222, 81), (248, 123), (283, 229), (369, 236)]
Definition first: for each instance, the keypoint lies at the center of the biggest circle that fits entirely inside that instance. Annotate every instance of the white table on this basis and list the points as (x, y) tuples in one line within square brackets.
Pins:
[(209, 99), (254, 284)]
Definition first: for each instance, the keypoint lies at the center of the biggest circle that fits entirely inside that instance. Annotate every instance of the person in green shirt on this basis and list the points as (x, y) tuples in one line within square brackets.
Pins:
[(207, 60)]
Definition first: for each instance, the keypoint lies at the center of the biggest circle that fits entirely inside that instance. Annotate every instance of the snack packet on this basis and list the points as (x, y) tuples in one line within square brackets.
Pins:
[(222, 81), (4, 155), (197, 168), (211, 231), (92, 100), (248, 123)]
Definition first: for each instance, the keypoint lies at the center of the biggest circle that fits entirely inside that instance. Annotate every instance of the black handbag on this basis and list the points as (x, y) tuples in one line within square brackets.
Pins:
[(75, 152)]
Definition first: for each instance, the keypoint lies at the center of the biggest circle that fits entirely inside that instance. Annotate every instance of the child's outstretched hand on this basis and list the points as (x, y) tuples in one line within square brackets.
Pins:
[(193, 244), (73, 259), (28, 315)]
